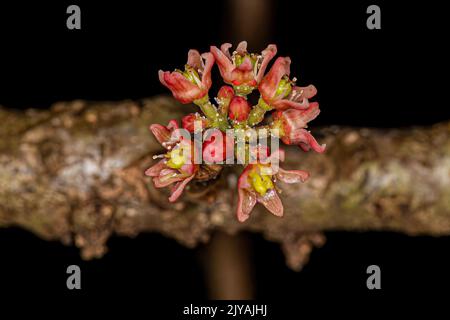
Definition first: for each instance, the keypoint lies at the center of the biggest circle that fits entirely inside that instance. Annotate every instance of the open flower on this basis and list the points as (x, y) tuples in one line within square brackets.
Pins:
[(279, 92), (176, 166), (194, 82), (242, 69), (257, 183), (292, 123)]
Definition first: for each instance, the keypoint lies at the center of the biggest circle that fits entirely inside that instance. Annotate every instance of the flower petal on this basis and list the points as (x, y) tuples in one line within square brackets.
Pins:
[(173, 124), (206, 72), (311, 112), (225, 48), (194, 59), (155, 170), (167, 177), (307, 141), (182, 89), (242, 47), (246, 202), (277, 155), (161, 133), (179, 187), (269, 83), (274, 160), (272, 202), (292, 176), (297, 99), (284, 104), (161, 78), (243, 178), (177, 82), (304, 92), (224, 63), (268, 55)]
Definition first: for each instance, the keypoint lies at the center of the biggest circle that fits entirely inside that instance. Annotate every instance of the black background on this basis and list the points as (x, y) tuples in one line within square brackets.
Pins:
[(392, 77)]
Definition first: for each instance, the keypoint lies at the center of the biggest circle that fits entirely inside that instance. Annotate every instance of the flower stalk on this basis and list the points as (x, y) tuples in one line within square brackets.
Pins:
[(258, 112), (217, 119)]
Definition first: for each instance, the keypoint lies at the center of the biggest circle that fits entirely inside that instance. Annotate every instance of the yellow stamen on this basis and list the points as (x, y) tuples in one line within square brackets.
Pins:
[(177, 159), (260, 182)]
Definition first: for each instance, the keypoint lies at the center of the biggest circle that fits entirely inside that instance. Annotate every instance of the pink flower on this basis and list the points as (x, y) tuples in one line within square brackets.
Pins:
[(292, 124), (239, 109), (176, 166), (188, 121), (278, 91), (193, 83), (257, 184), (242, 68)]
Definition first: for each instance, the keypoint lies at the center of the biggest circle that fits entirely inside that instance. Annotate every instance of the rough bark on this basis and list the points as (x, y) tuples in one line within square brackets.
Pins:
[(75, 173)]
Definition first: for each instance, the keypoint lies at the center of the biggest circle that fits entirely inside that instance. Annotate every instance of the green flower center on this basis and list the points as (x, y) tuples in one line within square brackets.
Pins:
[(238, 59), (177, 158), (191, 74), (284, 87)]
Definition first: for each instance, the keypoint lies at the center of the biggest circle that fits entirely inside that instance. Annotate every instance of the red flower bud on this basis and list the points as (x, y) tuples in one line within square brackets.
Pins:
[(239, 109), (224, 97), (226, 93), (188, 122), (215, 146)]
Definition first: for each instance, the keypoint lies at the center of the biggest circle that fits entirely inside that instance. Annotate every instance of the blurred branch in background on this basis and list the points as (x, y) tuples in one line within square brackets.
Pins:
[(249, 20), (228, 267), (75, 173)]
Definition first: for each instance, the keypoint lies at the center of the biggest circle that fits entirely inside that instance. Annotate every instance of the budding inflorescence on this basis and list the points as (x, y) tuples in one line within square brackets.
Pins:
[(233, 128)]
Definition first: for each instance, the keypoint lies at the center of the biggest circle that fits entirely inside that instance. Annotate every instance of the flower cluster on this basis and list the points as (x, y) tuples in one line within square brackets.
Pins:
[(220, 124)]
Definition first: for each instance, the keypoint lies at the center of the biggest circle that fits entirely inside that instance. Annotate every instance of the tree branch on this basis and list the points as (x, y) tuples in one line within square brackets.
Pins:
[(75, 173)]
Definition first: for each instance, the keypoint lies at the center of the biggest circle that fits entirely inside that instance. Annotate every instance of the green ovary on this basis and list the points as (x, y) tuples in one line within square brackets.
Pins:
[(284, 88)]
